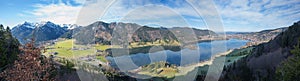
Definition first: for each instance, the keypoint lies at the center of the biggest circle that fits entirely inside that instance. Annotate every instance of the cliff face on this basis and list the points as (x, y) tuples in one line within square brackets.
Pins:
[(101, 32), (265, 58)]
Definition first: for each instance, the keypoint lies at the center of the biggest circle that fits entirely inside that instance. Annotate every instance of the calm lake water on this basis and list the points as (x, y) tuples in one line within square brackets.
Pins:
[(183, 57)]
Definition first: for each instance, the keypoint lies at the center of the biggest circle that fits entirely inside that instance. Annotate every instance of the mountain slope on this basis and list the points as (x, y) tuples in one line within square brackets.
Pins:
[(21, 32), (43, 31), (101, 32), (265, 58)]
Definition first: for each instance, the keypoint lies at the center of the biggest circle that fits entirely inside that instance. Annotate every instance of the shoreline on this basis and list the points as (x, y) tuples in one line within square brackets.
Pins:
[(188, 68), (145, 49), (210, 61)]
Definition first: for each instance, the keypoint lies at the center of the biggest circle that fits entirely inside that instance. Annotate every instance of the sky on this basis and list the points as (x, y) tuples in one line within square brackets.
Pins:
[(232, 15)]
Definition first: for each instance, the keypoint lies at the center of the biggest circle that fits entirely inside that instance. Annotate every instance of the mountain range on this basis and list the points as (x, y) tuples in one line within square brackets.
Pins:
[(101, 32), (42, 31)]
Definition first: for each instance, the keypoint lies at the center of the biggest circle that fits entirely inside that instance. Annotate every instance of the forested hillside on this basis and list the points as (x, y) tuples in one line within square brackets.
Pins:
[(267, 60), (8, 47), (23, 62)]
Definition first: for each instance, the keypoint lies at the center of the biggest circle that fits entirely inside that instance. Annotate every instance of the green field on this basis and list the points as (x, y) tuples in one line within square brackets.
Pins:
[(65, 49), (159, 69), (101, 58), (155, 43), (68, 49)]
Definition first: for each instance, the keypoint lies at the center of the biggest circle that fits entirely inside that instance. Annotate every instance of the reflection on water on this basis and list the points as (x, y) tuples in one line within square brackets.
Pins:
[(204, 52)]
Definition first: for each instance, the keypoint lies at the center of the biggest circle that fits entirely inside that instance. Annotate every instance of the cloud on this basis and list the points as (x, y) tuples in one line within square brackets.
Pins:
[(65, 12), (93, 10), (60, 13), (276, 3), (162, 15), (167, 14), (253, 14), (80, 1), (259, 15)]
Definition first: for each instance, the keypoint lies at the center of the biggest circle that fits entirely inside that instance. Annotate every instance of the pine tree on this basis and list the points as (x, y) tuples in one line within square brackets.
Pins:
[(296, 50), (8, 30), (289, 69), (1, 27), (9, 48)]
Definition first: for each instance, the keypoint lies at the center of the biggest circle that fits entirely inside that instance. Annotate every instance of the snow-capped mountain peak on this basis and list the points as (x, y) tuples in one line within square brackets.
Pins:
[(27, 25), (47, 24), (43, 31)]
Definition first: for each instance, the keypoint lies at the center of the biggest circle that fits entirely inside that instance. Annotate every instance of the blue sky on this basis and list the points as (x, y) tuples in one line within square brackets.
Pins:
[(236, 15)]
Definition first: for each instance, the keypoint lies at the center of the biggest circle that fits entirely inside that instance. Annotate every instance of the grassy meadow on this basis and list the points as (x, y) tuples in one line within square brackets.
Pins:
[(66, 49)]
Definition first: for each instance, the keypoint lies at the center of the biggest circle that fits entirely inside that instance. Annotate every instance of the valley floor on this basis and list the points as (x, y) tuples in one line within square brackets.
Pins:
[(95, 55)]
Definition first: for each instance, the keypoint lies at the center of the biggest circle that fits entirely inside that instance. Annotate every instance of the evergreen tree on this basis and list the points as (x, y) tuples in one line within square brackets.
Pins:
[(289, 70), (9, 48), (1, 27), (8, 30), (296, 50)]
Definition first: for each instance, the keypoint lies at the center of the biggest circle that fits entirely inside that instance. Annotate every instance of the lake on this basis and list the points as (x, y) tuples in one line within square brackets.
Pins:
[(204, 51)]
